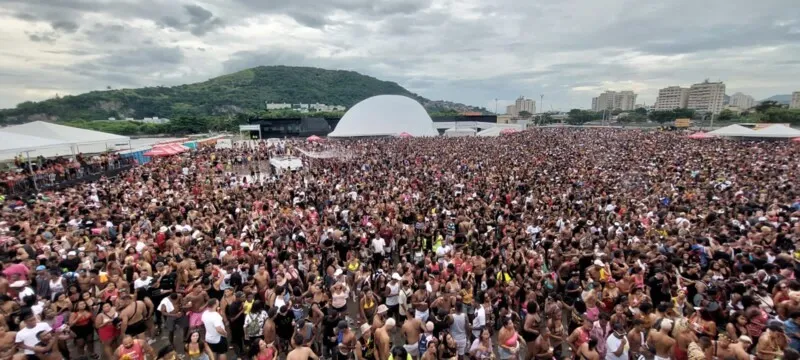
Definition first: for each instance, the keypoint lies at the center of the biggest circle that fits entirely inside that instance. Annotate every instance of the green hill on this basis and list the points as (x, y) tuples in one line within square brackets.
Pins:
[(244, 91)]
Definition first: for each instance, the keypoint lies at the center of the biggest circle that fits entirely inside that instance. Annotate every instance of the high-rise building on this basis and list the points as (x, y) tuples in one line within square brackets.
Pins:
[(512, 110), (613, 100), (795, 104), (742, 101), (706, 96), (523, 104), (625, 100), (671, 98), (606, 101)]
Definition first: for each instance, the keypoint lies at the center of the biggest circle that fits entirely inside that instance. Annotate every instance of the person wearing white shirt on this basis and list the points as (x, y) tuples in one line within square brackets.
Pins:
[(617, 344), (168, 309), (26, 337), (142, 285), (215, 330), (378, 251), (479, 322)]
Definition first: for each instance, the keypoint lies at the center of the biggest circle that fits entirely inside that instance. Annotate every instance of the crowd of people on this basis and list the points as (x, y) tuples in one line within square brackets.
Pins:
[(545, 244), (51, 171)]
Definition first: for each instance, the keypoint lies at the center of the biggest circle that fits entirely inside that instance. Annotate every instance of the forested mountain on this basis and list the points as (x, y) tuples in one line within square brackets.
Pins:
[(243, 91)]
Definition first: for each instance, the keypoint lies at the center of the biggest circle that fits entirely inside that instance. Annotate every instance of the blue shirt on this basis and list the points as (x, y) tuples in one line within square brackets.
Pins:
[(792, 331)]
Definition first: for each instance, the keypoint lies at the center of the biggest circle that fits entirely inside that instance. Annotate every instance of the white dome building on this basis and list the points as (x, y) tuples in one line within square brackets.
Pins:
[(385, 115)]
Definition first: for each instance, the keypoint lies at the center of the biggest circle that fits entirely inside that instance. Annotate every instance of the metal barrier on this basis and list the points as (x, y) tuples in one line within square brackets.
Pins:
[(70, 177)]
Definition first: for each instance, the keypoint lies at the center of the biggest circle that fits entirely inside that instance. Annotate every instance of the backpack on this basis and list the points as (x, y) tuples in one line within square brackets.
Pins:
[(253, 328)]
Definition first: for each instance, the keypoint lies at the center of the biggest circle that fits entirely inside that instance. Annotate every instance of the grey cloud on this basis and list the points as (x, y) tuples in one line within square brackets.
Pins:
[(312, 13), (198, 14), (312, 20), (206, 27), (43, 37), (171, 22), (111, 34), (75, 52), (132, 67), (65, 26), (25, 16), (201, 21)]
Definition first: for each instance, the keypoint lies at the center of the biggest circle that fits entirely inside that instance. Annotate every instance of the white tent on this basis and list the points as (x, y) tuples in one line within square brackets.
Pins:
[(15, 143), (777, 131), (61, 140), (733, 131), (385, 115), (491, 132), (460, 132), (67, 134)]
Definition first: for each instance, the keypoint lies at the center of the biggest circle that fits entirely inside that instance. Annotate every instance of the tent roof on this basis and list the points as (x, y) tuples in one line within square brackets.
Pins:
[(778, 131), (66, 134), (12, 142), (385, 115), (461, 130), (733, 130), (491, 132)]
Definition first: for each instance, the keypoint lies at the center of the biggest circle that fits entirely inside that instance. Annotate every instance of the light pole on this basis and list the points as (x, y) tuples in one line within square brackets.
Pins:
[(541, 105), (495, 106)]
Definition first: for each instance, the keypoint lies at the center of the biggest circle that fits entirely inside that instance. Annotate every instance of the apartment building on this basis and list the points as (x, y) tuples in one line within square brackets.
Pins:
[(672, 97), (612, 100), (707, 97), (742, 101)]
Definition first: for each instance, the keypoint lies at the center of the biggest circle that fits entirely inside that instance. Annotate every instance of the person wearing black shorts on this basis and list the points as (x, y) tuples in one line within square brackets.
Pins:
[(215, 330)]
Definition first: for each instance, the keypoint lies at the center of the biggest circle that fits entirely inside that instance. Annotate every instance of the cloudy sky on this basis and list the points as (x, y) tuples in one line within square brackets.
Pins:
[(470, 51)]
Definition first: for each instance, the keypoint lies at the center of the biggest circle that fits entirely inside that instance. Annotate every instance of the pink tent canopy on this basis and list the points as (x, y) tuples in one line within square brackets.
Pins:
[(158, 151), (700, 135), (508, 131), (314, 138), (797, 139), (166, 150), (404, 135), (176, 148)]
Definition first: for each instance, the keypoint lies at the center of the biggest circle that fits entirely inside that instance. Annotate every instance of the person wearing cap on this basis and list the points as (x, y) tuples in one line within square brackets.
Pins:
[(392, 296), (346, 341), (22, 289), (365, 349), (661, 340), (383, 342), (380, 316)]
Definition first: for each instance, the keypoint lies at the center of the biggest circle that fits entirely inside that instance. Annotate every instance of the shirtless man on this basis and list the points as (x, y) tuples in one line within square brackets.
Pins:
[(262, 279), (194, 304), (302, 352), (269, 327), (412, 329), (134, 315), (663, 343), (348, 343), (635, 337), (7, 342), (726, 351), (383, 343), (683, 336), (419, 301)]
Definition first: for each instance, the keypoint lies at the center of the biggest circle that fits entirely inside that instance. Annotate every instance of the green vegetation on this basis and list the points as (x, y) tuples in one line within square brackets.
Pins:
[(578, 117), (667, 116), (766, 112), (246, 91)]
